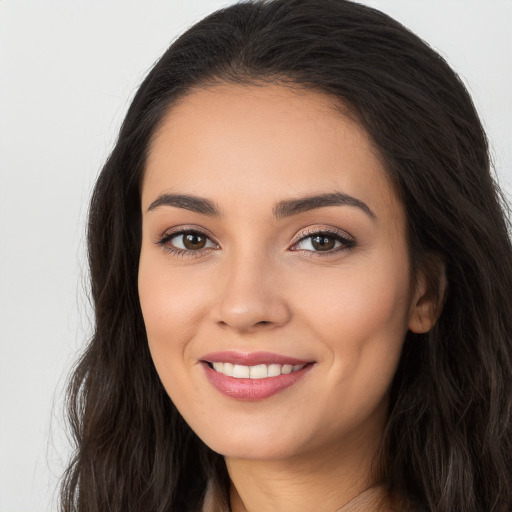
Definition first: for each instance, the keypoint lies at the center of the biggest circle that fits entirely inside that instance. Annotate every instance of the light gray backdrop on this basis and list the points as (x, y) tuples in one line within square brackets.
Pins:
[(68, 69)]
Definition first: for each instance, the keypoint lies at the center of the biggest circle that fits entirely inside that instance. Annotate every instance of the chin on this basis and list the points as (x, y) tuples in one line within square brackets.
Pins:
[(255, 451), (254, 445)]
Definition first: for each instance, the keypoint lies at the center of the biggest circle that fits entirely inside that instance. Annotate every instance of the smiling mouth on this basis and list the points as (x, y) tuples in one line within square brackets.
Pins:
[(254, 375), (259, 371)]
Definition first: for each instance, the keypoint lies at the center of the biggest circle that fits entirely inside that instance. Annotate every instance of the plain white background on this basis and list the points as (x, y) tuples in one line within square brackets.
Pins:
[(68, 70)]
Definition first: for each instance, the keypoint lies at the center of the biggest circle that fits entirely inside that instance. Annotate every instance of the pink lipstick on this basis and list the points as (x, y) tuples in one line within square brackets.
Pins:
[(253, 376)]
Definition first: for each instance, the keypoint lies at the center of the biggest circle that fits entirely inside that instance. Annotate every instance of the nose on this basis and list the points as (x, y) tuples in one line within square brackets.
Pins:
[(250, 296)]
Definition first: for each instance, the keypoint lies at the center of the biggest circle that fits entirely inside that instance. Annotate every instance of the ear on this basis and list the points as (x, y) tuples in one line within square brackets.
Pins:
[(428, 295)]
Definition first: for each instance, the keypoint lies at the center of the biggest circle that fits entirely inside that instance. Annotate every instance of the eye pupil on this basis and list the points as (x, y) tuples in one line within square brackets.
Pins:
[(194, 241), (323, 243)]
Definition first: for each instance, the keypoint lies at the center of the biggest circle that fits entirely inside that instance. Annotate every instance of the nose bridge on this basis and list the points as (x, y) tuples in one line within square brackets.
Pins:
[(250, 295)]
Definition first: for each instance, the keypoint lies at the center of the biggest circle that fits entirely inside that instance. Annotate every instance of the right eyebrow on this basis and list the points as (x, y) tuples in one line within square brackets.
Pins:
[(192, 203)]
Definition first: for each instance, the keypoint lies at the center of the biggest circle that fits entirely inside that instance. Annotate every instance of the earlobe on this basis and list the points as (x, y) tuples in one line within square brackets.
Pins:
[(428, 299)]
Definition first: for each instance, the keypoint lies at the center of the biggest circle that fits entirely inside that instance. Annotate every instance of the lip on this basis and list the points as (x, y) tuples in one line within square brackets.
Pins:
[(252, 389), (251, 358)]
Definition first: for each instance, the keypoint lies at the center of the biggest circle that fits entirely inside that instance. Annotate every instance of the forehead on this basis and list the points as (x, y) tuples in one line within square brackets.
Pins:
[(262, 141)]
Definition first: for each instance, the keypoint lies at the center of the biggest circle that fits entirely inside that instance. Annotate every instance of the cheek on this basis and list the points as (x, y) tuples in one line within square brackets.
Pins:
[(171, 309), (361, 313)]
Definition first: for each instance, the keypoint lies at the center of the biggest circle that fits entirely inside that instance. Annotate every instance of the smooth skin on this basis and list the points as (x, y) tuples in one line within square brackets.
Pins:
[(249, 280)]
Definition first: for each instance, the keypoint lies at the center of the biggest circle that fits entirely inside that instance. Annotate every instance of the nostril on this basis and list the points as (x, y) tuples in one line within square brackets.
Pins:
[(251, 313)]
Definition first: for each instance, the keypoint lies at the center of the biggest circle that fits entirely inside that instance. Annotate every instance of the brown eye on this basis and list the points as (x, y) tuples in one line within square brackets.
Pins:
[(323, 242), (186, 242), (193, 241)]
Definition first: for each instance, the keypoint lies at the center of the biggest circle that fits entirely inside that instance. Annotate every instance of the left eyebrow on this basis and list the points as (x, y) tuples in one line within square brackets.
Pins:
[(295, 206)]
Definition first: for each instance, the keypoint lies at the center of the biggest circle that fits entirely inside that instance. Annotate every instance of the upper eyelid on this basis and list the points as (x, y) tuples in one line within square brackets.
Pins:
[(308, 232), (180, 230), (303, 233)]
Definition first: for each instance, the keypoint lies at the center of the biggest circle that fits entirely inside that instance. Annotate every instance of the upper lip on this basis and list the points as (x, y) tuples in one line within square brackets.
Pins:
[(251, 358)]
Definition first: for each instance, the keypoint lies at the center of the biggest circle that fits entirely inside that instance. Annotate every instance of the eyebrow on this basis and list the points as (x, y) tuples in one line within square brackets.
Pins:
[(283, 209), (188, 202), (291, 207)]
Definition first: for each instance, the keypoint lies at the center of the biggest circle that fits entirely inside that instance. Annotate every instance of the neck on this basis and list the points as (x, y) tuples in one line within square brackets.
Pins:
[(319, 482)]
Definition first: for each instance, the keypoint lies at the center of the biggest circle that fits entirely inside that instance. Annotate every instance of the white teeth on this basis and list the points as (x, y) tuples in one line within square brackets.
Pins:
[(287, 368), (274, 370), (228, 369), (218, 367), (260, 371), (241, 372)]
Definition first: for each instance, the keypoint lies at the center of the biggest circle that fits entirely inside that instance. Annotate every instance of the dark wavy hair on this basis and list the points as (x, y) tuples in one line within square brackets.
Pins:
[(448, 441)]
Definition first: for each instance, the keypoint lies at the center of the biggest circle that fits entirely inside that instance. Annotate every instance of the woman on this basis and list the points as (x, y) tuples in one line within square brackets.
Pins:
[(301, 276)]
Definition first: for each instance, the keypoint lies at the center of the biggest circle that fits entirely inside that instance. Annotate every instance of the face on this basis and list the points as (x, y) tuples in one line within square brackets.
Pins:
[(274, 274)]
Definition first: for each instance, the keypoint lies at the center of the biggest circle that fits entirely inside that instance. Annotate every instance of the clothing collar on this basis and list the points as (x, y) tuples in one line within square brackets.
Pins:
[(373, 498)]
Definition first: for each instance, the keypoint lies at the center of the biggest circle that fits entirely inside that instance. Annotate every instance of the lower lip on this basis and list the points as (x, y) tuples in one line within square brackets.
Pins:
[(253, 389)]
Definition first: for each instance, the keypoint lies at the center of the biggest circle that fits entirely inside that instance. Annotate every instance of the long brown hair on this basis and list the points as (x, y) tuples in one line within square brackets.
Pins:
[(448, 441)]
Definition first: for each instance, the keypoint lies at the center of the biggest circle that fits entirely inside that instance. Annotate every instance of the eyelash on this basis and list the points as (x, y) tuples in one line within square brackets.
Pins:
[(165, 243), (345, 240)]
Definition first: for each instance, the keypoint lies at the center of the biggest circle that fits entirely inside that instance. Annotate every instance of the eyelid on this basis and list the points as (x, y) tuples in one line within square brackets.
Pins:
[(347, 240), (164, 239), (310, 231), (185, 228)]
